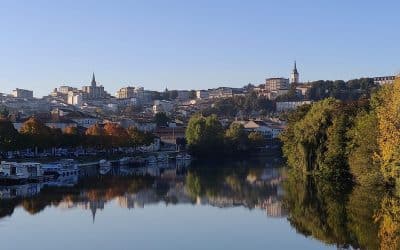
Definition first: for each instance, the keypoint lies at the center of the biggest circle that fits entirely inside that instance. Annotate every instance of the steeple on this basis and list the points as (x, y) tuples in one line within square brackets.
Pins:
[(294, 76), (295, 68), (93, 80)]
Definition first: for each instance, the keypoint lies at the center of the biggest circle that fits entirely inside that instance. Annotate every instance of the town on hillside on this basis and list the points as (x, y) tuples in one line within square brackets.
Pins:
[(257, 107)]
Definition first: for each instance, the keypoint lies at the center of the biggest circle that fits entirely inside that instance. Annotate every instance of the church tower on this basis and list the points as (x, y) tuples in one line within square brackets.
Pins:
[(93, 81), (294, 76)]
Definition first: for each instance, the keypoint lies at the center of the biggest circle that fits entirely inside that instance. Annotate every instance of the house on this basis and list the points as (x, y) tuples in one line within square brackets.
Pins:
[(270, 130), (259, 126)]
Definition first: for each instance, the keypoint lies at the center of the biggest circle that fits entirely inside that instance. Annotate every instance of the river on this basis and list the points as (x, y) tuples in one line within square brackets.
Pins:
[(237, 205)]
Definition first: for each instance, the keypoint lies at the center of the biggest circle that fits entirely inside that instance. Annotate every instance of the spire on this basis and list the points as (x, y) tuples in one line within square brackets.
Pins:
[(93, 209), (93, 80), (295, 68)]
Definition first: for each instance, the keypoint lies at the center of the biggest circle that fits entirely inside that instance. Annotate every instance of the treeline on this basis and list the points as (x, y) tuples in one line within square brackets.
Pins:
[(34, 133), (343, 90), (206, 136), (249, 104), (359, 139)]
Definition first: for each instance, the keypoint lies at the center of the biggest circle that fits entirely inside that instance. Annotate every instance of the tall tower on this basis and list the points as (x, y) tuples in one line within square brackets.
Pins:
[(294, 76), (93, 80)]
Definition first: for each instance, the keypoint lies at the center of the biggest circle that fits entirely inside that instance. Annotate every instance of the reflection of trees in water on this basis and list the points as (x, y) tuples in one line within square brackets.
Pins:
[(241, 185), (236, 185), (362, 217)]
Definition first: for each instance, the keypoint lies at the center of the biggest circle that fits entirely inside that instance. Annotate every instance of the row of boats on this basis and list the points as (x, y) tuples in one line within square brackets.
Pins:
[(20, 172), (150, 160)]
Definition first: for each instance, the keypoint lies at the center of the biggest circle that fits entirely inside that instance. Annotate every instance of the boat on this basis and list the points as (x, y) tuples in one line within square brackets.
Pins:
[(17, 173), (151, 160), (104, 163), (162, 158), (65, 167), (104, 170), (125, 160), (179, 157), (12, 173)]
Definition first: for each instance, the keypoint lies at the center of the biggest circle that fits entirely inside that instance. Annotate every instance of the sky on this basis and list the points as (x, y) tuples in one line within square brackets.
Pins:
[(193, 44)]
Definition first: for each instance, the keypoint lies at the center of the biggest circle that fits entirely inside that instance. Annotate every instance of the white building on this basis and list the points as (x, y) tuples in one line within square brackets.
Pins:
[(74, 98), (382, 80), (202, 94), (162, 106), (286, 106), (22, 93)]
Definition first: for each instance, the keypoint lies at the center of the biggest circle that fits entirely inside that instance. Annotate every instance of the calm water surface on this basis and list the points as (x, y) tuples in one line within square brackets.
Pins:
[(241, 205)]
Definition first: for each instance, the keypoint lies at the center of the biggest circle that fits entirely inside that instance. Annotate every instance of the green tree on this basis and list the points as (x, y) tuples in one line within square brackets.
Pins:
[(161, 119), (9, 136), (204, 135), (236, 139)]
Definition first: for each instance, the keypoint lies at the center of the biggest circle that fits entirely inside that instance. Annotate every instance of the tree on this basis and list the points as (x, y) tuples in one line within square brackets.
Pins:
[(161, 119), (9, 136), (95, 136), (4, 113), (36, 133), (34, 127), (236, 139), (204, 135), (256, 140), (362, 149), (388, 115), (137, 137), (306, 140), (71, 130), (95, 130)]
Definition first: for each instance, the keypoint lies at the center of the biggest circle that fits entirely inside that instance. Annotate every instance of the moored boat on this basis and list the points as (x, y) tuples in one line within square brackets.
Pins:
[(65, 167)]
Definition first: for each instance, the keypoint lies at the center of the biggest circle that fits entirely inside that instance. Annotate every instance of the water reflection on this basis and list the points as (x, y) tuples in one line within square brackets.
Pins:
[(344, 216), (252, 187), (360, 217)]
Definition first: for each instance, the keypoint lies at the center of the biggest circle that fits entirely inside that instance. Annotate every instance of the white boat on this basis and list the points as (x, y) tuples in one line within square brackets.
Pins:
[(151, 160), (187, 157), (125, 160), (104, 163), (104, 170), (162, 158), (14, 173), (179, 157), (65, 167)]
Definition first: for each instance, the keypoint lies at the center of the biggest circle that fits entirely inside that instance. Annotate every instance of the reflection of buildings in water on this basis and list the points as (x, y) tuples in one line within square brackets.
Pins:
[(63, 181), (20, 191), (269, 176), (221, 201), (139, 199), (273, 207), (93, 206), (175, 194)]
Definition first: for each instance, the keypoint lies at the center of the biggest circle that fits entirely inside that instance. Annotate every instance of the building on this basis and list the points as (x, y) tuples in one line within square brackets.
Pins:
[(276, 84), (93, 91), (65, 89), (162, 106), (183, 95), (75, 98), (294, 76), (382, 80), (202, 94), (22, 93), (286, 106), (125, 93), (221, 92)]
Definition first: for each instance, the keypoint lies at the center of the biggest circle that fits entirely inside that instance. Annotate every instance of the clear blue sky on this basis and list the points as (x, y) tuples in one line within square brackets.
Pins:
[(193, 44)]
